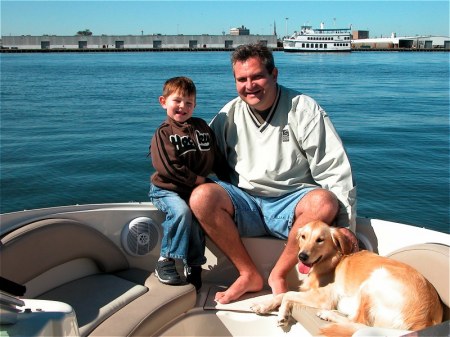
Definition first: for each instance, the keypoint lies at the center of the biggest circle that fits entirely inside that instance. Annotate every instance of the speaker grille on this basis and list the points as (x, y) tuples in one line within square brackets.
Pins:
[(140, 236)]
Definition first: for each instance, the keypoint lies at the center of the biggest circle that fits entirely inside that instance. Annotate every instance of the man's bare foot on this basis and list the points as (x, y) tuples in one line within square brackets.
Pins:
[(278, 284), (243, 284)]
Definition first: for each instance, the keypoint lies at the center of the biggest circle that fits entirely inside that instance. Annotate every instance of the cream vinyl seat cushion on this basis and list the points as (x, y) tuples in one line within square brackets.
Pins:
[(432, 261), (67, 261)]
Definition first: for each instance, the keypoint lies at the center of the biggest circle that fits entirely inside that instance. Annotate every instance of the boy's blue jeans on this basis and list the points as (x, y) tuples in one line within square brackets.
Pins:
[(183, 238)]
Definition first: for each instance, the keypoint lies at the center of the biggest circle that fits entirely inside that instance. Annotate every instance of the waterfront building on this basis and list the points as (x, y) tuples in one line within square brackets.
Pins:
[(360, 34), (407, 42), (147, 42), (158, 42), (240, 31)]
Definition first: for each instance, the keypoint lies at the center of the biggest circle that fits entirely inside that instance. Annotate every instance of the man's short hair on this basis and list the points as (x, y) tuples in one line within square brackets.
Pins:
[(244, 52)]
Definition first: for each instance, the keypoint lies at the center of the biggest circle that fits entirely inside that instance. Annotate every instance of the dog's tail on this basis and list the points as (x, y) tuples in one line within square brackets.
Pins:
[(340, 329)]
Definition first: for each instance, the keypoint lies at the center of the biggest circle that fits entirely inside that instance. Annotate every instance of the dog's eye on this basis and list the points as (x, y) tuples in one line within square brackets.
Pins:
[(319, 240), (303, 236)]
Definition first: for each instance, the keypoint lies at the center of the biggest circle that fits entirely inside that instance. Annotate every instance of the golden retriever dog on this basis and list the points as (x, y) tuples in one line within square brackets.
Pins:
[(370, 290)]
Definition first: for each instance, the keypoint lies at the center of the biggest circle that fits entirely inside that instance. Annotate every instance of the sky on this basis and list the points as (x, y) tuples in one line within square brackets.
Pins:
[(64, 17)]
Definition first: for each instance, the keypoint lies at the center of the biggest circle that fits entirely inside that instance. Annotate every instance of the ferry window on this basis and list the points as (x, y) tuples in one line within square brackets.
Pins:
[(321, 45), (303, 45), (325, 45), (317, 46)]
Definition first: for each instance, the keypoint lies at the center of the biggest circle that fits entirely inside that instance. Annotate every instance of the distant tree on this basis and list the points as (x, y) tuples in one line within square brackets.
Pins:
[(85, 32)]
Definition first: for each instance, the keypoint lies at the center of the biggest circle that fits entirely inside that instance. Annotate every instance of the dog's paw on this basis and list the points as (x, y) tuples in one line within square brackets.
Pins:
[(260, 308), (326, 315), (282, 321)]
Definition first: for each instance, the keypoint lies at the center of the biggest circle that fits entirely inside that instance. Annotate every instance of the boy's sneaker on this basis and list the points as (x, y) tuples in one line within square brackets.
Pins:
[(166, 272), (194, 276)]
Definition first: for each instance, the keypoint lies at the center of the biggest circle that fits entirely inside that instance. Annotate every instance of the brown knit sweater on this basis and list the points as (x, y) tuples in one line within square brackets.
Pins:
[(182, 151)]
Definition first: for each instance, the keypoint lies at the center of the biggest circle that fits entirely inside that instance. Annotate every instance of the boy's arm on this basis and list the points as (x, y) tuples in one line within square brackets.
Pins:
[(200, 180)]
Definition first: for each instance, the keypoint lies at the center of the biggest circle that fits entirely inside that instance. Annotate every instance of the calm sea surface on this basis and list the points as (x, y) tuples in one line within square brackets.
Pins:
[(75, 128)]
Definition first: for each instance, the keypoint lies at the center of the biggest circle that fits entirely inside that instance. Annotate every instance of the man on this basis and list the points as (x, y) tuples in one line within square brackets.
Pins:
[(288, 167)]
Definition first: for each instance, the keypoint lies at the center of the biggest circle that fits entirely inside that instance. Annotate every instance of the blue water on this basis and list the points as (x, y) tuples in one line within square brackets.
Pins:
[(75, 128)]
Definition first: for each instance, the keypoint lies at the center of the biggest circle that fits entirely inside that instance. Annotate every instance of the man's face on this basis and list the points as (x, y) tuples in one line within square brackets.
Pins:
[(254, 84)]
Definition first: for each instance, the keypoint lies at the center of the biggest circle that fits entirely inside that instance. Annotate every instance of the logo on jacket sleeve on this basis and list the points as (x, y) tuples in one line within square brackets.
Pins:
[(285, 134)]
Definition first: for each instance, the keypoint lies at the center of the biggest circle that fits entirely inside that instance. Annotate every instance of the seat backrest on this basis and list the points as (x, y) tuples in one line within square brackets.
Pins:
[(40, 246), (432, 261)]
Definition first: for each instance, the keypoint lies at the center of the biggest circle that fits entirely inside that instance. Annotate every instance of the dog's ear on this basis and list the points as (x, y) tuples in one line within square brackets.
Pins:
[(344, 240)]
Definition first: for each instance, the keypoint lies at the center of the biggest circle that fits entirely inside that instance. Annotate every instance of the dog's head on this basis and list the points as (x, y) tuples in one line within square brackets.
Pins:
[(322, 246)]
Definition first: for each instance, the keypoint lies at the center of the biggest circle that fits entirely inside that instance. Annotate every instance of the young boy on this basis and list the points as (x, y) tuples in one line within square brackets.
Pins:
[(184, 153)]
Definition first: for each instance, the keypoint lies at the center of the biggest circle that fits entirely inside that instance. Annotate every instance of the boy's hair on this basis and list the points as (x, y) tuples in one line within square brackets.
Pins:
[(244, 52), (184, 85)]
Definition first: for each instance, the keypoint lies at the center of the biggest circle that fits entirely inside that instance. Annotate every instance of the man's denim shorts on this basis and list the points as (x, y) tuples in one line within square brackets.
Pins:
[(259, 216)]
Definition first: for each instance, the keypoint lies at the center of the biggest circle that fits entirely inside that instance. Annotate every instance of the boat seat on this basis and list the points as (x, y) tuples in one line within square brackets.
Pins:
[(432, 261), (64, 260)]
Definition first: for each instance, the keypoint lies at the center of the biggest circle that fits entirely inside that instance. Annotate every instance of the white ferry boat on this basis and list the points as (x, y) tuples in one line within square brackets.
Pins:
[(309, 39)]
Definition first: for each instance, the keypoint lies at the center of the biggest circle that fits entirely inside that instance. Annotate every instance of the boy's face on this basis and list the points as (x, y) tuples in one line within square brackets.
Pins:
[(179, 107)]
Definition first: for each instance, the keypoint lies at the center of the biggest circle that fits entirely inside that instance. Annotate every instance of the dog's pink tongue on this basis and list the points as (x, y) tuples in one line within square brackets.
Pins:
[(303, 268)]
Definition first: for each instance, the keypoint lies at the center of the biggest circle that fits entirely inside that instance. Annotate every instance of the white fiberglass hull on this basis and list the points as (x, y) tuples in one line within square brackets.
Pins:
[(197, 314)]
